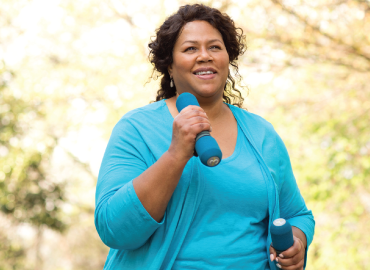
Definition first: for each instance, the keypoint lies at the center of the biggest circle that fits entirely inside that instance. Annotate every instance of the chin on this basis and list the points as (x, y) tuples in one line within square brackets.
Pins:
[(208, 93)]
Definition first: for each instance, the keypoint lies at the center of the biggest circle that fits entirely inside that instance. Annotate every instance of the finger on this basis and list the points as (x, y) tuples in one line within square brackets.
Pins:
[(191, 108), (197, 119), (272, 253), (292, 260), (297, 266), (186, 122), (192, 127), (293, 250), (199, 127), (194, 113), (182, 120)]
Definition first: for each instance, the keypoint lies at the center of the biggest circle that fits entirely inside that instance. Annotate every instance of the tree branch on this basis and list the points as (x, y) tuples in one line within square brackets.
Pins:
[(124, 16), (351, 48)]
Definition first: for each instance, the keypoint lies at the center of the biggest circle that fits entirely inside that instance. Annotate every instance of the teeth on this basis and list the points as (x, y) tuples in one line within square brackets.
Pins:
[(204, 72)]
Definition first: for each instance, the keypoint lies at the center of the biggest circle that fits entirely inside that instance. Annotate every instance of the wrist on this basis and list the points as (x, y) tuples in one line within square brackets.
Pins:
[(299, 241), (175, 158), (300, 235)]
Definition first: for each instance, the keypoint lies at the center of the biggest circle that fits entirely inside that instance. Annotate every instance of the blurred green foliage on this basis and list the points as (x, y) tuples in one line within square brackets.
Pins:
[(26, 194), (69, 70), (12, 255)]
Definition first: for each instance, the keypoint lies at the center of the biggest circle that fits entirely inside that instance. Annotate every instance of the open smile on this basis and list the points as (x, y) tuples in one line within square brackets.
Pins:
[(205, 73), (206, 76)]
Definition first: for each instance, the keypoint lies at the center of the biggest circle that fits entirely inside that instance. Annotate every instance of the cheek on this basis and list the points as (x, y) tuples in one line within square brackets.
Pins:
[(182, 64), (225, 65), (227, 59), (224, 61)]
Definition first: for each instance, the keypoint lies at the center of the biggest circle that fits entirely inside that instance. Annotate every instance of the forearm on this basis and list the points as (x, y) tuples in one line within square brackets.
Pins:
[(301, 235), (155, 186)]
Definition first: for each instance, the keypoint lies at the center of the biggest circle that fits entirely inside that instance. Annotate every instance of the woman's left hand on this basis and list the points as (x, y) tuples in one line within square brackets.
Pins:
[(292, 258)]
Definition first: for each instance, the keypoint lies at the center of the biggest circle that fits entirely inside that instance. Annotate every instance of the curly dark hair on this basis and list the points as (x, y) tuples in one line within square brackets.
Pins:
[(166, 35)]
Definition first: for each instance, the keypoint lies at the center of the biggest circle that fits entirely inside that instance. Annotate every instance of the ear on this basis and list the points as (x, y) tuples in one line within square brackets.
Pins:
[(169, 69)]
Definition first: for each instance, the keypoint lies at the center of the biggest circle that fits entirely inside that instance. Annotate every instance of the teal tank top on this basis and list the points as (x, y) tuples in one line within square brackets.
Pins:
[(229, 230)]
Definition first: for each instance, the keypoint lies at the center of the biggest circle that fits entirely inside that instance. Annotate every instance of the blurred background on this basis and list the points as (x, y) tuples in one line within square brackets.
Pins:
[(70, 69)]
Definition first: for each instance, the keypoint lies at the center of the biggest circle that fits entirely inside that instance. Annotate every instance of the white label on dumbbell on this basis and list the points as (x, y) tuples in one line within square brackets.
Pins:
[(279, 222), (213, 161)]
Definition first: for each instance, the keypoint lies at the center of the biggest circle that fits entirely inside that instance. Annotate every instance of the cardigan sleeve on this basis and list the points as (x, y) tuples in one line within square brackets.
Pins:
[(120, 219), (292, 205)]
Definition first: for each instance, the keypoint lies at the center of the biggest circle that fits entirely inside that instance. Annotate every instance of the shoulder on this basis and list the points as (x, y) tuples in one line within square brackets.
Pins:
[(152, 113), (150, 110), (253, 121)]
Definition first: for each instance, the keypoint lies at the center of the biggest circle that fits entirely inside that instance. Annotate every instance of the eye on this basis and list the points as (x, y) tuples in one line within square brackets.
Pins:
[(190, 49), (216, 47)]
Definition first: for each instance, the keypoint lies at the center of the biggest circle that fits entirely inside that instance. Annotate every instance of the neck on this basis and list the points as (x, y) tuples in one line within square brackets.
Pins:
[(214, 108)]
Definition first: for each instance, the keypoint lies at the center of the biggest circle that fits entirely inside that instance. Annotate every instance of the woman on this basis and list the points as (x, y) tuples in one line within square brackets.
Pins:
[(157, 206)]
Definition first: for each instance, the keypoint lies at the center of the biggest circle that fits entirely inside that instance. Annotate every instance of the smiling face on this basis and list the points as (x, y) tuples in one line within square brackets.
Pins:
[(200, 61)]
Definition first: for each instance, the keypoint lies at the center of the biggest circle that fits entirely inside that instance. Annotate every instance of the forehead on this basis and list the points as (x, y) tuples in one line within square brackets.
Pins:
[(198, 31)]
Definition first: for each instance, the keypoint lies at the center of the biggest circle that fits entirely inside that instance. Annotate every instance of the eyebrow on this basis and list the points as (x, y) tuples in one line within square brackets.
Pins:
[(196, 42)]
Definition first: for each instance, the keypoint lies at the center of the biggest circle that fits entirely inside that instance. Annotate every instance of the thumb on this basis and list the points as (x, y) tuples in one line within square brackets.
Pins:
[(272, 253)]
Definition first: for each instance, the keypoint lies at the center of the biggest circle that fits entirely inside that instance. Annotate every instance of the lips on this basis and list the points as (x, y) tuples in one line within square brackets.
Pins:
[(206, 77), (205, 73), (204, 70)]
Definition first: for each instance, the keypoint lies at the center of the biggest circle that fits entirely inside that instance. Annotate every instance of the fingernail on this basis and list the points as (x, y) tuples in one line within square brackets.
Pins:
[(277, 259), (271, 257), (281, 255), (210, 129), (278, 265)]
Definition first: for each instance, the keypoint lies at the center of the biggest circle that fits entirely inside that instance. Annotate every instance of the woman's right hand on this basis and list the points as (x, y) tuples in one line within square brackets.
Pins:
[(186, 125)]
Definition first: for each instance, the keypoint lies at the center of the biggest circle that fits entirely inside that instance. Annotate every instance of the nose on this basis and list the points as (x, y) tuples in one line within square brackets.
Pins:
[(204, 55)]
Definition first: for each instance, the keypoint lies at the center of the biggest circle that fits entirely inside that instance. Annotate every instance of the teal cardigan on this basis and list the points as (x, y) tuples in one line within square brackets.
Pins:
[(138, 140)]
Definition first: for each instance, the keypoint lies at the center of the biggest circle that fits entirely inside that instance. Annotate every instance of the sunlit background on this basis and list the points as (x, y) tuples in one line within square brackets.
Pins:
[(70, 69)]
